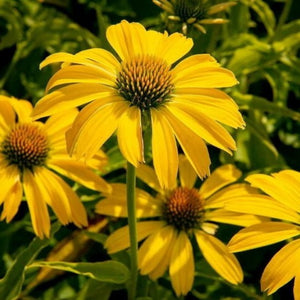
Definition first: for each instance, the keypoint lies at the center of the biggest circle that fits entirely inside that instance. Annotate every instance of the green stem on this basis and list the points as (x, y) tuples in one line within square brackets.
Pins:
[(131, 209)]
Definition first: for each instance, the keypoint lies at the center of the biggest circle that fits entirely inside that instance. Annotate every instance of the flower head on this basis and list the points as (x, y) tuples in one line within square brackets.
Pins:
[(31, 153), (181, 100), (174, 216), (281, 202), (194, 13)]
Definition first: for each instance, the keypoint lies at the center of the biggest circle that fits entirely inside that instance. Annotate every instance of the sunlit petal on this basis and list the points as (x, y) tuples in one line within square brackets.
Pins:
[(187, 174)]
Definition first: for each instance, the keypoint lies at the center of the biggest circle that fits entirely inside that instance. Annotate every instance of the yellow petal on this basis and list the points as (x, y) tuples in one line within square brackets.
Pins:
[(62, 198), (119, 240), (154, 249), (7, 116), (164, 150), (262, 205), (282, 268), (219, 178), (297, 286), (80, 172), (220, 7), (130, 138), (12, 202), (92, 127), (229, 217), (228, 193), (69, 97), (80, 74), (192, 145), (278, 188), (98, 161), (202, 71), (263, 234), (37, 206), (219, 257), (9, 176), (23, 108), (203, 126), (213, 21), (187, 174), (147, 174), (182, 268), (220, 110)]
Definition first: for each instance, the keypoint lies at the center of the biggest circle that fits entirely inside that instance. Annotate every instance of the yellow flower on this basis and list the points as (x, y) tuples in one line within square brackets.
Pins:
[(194, 13), (181, 100), (176, 215), (283, 203), (31, 153)]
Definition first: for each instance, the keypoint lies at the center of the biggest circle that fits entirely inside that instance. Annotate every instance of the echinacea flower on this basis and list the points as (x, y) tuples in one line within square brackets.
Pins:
[(182, 101), (194, 13), (282, 202), (176, 215), (31, 153)]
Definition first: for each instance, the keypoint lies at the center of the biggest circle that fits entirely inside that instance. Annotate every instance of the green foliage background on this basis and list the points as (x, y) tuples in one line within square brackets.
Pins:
[(260, 45)]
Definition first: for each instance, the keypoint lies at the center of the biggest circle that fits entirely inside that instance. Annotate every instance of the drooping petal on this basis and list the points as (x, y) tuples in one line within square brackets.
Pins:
[(297, 286), (187, 174), (69, 97), (219, 178), (202, 125), (219, 198), (282, 268), (62, 198), (164, 150), (182, 266), (192, 145), (130, 137), (155, 248), (262, 205), (119, 239), (202, 71), (147, 174), (79, 172), (9, 176), (276, 188), (12, 201), (92, 127), (23, 108), (219, 257), (234, 218), (37, 205), (263, 234)]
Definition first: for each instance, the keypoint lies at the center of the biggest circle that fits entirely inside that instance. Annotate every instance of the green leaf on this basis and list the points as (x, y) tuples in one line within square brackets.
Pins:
[(96, 236), (107, 271), (11, 283), (248, 102), (95, 290), (287, 30)]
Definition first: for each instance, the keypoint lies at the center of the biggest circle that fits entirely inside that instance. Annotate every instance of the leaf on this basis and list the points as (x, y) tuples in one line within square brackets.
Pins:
[(248, 102), (287, 30), (11, 283), (107, 271), (95, 290)]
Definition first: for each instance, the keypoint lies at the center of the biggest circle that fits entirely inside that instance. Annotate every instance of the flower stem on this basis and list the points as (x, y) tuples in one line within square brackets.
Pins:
[(131, 209)]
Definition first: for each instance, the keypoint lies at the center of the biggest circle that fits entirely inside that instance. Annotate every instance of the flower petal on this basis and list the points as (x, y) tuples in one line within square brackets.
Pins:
[(262, 205), (92, 127), (147, 174), (80, 172), (182, 266), (68, 97), (164, 150), (130, 137), (229, 217), (282, 268), (192, 145), (203, 126), (219, 257), (297, 286), (7, 116), (280, 189), (219, 178), (187, 174), (263, 234), (9, 176), (119, 240), (154, 249), (202, 71), (37, 206)]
